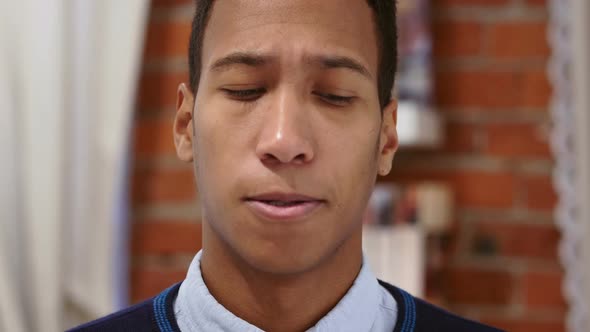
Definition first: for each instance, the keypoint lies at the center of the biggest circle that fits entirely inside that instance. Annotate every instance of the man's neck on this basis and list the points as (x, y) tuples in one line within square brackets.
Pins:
[(276, 302)]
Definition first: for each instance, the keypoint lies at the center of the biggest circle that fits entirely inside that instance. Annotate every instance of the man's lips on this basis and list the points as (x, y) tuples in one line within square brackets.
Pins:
[(283, 206)]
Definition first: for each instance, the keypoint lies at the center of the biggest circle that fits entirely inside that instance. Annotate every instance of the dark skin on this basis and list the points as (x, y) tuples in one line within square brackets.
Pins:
[(287, 102)]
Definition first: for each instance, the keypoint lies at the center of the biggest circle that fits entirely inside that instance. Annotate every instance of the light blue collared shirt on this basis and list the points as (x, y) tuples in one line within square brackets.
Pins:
[(365, 307)]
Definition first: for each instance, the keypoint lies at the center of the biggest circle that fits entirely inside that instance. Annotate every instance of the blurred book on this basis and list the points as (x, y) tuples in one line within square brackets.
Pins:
[(414, 75), (429, 204), (396, 255), (419, 125), (397, 222)]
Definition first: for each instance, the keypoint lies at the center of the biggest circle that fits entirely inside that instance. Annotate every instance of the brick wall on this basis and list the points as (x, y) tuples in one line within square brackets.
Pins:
[(491, 88)]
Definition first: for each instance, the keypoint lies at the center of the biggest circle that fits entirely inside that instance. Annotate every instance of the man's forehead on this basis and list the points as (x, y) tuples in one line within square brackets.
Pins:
[(306, 29), (247, 14)]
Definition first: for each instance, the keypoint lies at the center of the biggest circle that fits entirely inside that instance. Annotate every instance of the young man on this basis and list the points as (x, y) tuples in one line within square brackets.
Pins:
[(288, 120)]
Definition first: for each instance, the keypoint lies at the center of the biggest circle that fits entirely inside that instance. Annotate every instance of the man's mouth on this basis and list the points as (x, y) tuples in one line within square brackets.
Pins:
[(282, 203), (283, 206)]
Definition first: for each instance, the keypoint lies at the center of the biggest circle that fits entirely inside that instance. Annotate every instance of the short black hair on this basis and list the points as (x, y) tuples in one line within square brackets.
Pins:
[(385, 20)]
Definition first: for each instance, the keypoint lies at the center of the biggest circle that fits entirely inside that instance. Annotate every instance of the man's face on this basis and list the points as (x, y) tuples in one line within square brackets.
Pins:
[(288, 132)]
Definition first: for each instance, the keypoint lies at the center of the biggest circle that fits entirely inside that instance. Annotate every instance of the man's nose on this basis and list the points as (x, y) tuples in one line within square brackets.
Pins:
[(286, 135)]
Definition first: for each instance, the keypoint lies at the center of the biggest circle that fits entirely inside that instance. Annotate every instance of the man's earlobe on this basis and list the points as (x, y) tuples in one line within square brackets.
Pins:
[(183, 123)]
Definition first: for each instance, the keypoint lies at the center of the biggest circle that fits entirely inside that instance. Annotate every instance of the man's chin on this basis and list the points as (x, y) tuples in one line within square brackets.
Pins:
[(281, 262)]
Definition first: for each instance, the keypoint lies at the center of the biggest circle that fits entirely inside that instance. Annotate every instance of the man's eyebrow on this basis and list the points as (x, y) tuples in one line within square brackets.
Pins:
[(257, 60), (330, 62), (241, 58)]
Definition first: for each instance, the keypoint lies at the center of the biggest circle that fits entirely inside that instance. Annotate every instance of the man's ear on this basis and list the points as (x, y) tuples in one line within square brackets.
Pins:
[(183, 123), (388, 141)]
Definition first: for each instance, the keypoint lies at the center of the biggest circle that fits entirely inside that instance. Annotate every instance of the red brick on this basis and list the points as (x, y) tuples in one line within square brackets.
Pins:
[(153, 137), (527, 325), (542, 290), (518, 140), (472, 189), (478, 287), (157, 90), (492, 89), (456, 39), (167, 39), (483, 189), (147, 282), (461, 137), (535, 89), (163, 186), (540, 193), (519, 40), (538, 241), (168, 237)]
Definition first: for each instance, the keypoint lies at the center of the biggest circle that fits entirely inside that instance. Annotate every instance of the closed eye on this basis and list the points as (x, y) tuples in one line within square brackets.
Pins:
[(244, 94), (336, 100)]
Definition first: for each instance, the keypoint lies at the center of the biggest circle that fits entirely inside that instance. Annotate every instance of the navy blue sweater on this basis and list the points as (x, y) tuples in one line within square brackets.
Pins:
[(157, 315)]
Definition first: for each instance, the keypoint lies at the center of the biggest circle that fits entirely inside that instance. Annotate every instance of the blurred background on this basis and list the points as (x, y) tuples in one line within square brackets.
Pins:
[(98, 213)]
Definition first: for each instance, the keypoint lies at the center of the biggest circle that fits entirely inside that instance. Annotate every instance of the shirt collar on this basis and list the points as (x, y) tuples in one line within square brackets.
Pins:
[(196, 309)]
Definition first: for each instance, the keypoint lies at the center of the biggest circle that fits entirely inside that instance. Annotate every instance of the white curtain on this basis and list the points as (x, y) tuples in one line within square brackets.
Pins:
[(569, 71), (68, 72), (581, 95)]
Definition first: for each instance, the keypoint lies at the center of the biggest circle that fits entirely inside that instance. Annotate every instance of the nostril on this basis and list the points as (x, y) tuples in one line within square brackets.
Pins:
[(300, 158), (269, 157), (273, 159)]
